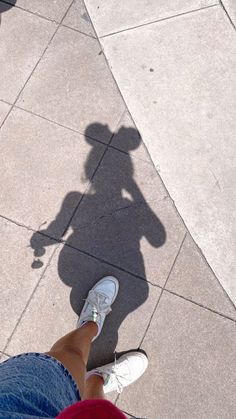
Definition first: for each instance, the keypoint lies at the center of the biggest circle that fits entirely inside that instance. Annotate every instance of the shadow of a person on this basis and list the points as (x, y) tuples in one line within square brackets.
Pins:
[(109, 226), (4, 7)]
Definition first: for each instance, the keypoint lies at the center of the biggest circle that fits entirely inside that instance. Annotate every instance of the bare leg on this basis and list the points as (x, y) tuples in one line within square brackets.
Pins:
[(94, 388), (72, 351)]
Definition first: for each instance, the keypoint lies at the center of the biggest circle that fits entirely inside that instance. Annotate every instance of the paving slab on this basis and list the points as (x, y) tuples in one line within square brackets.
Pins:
[(73, 85), (3, 357), (230, 6), (40, 163), (110, 16), (78, 18), (17, 63), (192, 365), (61, 294), (182, 71), (4, 109), (128, 139), (126, 220), (192, 278), (18, 280), (51, 9)]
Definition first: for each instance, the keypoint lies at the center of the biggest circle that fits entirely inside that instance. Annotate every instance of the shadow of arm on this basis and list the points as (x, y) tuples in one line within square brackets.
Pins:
[(56, 229)]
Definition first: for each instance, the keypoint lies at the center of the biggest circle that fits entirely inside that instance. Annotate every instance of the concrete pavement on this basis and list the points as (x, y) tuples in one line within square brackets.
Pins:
[(81, 197)]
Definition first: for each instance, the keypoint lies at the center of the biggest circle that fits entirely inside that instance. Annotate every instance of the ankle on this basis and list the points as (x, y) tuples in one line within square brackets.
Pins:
[(90, 326), (94, 380), (93, 388)]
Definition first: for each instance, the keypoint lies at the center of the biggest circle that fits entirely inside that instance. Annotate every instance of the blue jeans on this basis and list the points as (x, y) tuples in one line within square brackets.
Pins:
[(35, 385)]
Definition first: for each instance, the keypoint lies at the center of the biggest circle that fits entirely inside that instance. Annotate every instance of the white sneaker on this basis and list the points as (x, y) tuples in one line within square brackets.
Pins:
[(119, 374), (98, 302)]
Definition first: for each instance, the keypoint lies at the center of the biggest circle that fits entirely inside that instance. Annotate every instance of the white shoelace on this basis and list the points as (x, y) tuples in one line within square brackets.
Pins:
[(111, 375), (99, 302), (115, 377)]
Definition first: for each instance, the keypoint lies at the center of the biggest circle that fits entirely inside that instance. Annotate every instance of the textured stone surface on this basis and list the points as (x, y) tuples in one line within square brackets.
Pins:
[(18, 280), (177, 78), (127, 221), (4, 109), (192, 365), (189, 128), (193, 278), (73, 86), (230, 6), (17, 63), (3, 357), (52, 9), (78, 18), (127, 138), (111, 16), (40, 163)]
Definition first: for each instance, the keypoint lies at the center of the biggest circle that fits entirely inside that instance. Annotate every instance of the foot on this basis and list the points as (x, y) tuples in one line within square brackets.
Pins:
[(121, 373), (98, 302)]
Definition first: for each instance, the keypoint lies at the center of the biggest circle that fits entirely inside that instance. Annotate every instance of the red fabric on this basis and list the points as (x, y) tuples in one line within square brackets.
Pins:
[(92, 409)]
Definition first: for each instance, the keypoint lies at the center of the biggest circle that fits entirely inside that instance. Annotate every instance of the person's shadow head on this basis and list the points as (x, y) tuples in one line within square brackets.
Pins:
[(110, 221), (4, 7), (125, 139), (128, 138)]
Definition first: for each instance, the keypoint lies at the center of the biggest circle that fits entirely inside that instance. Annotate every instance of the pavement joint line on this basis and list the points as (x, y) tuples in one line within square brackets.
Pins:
[(179, 251), (91, 178), (149, 161), (127, 108), (110, 264), (57, 123), (80, 133), (29, 11), (106, 60), (208, 266), (146, 149), (47, 18), (65, 243), (36, 65), (227, 14), (4, 353), (105, 262), (200, 305), (109, 145), (84, 193), (17, 223), (169, 291), (124, 101), (88, 186), (158, 171), (132, 416), (116, 210), (190, 234), (30, 298), (4, 101), (59, 242), (77, 30), (116, 399), (212, 271), (163, 288), (159, 20)]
